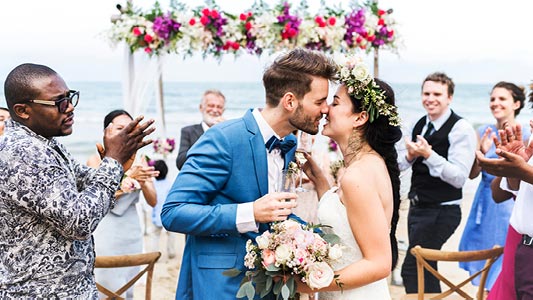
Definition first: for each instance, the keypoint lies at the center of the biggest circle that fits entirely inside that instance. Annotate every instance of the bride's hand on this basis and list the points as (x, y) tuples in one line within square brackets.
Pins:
[(311, 169), (302, 287)]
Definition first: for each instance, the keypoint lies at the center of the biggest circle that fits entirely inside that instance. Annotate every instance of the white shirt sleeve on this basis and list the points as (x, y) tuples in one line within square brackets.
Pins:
[(461, 155), (245, 218)]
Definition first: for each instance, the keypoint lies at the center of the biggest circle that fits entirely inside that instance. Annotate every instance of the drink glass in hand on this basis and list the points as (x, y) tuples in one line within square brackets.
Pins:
[(305, 143), (286, 182)]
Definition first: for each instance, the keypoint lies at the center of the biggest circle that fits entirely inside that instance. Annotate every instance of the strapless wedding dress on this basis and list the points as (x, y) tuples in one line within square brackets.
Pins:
[(332, 212)]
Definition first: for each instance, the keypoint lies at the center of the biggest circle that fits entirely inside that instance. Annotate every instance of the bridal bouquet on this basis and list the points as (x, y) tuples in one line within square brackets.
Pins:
[(289, 249)]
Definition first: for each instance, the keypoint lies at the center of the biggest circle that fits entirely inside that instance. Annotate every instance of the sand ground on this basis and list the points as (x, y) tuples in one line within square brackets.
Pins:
[(167, 270)]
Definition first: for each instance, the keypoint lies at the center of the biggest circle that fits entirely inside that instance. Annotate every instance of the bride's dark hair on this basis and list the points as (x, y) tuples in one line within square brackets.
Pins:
[(382, 136)]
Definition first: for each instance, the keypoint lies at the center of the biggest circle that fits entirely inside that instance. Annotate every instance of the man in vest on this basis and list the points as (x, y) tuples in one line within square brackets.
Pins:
[(440, 152)]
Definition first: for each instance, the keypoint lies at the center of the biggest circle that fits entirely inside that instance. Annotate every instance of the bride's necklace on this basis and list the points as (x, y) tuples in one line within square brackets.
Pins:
[(353, 155)]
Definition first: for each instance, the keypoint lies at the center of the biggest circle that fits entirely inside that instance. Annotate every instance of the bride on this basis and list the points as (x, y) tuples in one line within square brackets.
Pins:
[(363, 210)]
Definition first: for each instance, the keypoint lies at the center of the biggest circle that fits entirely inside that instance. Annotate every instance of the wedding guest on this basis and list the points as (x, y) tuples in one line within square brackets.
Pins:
[(488, 221), (224, 194), (49, 203), (212, 107), (119, 232), (4, 115), (441, 160), (162, 185), (367, 199), (504, 287), (515, 164)]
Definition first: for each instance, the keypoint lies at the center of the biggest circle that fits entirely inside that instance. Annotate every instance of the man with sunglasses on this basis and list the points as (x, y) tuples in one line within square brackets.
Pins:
[(49, 203)]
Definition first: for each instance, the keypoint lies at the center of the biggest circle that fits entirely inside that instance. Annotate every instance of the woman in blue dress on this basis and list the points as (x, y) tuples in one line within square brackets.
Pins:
[(488, 221)]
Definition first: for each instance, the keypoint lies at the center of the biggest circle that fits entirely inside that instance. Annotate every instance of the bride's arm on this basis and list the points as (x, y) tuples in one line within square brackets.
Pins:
[(316, 175)]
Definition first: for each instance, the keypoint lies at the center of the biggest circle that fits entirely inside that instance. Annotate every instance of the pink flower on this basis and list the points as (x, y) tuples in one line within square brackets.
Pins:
[(204, 20), (148, 38), (136, 31), (269, 257), (192, 21), (214, 14), (332, 21), (148, 50)]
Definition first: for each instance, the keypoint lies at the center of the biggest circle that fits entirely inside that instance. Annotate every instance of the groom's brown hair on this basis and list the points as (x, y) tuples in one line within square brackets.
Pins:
[(292, 72)]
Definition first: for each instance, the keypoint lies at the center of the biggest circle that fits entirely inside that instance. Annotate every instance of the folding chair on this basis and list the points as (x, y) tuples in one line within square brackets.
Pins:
[(119, 261), (422, 255)]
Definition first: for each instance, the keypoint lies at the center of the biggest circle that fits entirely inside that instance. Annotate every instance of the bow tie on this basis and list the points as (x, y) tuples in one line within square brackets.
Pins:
[(284, 146)]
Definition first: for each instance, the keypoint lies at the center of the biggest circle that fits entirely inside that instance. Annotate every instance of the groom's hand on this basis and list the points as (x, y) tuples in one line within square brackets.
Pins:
[(274, 207)]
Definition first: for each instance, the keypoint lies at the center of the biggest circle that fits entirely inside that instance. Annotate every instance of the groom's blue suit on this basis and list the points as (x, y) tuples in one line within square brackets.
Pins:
[(225, 167)]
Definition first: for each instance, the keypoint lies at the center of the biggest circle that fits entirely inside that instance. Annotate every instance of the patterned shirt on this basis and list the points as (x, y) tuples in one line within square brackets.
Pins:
[(49, 207)]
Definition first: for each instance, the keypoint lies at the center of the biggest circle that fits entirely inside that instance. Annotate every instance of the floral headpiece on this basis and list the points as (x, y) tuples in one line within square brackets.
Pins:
[(360, 84)]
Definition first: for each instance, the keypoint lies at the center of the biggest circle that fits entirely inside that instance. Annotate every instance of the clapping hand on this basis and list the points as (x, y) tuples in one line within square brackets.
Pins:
[(142, 173), (123, 145), (486, 140), (513, 153), (420, 148)]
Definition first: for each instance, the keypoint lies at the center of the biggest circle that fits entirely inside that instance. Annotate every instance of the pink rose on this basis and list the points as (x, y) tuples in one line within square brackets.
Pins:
[(269, 257)]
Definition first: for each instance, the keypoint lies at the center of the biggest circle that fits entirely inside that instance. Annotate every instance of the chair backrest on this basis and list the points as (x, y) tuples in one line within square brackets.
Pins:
[(119, 261), (423, 255)]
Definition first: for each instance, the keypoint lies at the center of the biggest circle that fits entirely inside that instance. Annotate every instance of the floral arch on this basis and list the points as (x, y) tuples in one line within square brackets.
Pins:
[(260, 29)]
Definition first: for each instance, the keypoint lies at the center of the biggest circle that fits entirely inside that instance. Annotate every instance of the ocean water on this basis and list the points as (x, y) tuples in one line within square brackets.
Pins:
[(182, 100)]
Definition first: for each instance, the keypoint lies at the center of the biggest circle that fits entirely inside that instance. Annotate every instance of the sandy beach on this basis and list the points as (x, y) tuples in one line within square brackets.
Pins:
[(167, 270)]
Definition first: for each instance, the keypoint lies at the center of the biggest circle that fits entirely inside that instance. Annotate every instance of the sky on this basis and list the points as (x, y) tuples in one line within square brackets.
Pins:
[(473, 41)]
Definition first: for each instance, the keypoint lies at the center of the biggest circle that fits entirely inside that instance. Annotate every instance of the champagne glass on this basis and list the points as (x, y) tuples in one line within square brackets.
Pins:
[(305, 143), (286, 182)]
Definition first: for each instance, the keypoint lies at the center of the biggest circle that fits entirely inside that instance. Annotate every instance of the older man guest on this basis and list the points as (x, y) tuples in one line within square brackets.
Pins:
[(49, 203), (212, 107)]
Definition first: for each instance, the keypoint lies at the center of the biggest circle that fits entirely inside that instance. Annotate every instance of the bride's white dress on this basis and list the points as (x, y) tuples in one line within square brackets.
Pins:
[(332, 212)]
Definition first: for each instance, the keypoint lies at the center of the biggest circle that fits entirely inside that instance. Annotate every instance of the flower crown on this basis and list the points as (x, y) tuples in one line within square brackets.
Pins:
[(360, 84)]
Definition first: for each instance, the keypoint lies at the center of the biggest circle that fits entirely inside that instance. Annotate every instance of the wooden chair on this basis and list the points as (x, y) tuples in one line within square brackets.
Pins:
[(422, 255), (120, 261)]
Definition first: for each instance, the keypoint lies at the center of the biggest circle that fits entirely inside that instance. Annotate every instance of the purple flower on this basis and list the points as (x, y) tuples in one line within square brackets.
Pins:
[(165, 27)]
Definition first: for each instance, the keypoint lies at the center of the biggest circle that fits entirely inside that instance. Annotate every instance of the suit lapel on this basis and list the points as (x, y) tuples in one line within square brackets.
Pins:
[(198, 131), (257, 147)]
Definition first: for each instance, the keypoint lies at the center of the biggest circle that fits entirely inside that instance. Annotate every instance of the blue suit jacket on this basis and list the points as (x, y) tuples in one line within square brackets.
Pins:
[(225, 167)]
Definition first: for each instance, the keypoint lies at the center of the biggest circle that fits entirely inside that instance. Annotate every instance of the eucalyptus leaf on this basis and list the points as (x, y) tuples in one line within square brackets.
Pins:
[(331, 238), (272, 267), (232, 272), (269, 283), (245, 290), (285, 292), (277, 287)]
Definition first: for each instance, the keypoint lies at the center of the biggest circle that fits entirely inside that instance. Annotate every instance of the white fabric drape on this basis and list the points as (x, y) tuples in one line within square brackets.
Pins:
[(143, 75)]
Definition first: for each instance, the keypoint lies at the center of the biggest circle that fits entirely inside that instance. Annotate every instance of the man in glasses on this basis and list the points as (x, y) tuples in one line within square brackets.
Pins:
[(49, 203)]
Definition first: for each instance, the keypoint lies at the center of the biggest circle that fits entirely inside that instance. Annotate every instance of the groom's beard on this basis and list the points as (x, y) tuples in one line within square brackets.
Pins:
[(304, 122)]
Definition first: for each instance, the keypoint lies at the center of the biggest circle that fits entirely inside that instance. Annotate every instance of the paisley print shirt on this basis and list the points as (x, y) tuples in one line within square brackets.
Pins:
[(49, 207)]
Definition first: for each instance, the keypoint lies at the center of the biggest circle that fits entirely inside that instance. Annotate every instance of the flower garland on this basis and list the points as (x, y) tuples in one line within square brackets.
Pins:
[(355, 75), (256, 30)]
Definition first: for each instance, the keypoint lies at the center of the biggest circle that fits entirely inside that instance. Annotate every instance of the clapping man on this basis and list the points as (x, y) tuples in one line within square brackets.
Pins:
[(440, 152)]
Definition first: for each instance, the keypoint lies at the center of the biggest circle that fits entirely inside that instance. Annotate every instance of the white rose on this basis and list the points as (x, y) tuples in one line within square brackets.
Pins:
[(335, 252), (262, 241), (283, 253), (360, 72), (319, 275)]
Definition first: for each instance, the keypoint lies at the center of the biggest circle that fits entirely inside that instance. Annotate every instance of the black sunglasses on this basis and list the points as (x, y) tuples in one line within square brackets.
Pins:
[(62, 104)]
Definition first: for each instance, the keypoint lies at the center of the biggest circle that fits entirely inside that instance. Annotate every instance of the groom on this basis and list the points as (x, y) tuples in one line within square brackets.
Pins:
[(224, 194)]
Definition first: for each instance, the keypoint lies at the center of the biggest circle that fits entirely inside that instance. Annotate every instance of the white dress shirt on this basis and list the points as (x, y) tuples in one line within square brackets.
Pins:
[(245, 211), (461, 154), (523, 205)]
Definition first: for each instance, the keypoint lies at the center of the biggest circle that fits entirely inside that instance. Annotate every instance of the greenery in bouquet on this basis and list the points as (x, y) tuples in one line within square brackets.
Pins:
[(324, 32), (288, 250)]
